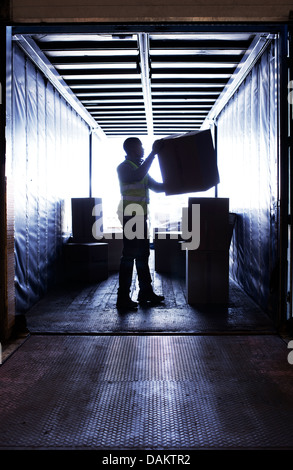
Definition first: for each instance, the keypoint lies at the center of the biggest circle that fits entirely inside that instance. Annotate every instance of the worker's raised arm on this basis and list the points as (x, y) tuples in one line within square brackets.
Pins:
[(155, 185), (129, 174)]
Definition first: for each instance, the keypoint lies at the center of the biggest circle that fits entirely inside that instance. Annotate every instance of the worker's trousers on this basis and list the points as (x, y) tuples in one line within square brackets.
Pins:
[(138, 250)]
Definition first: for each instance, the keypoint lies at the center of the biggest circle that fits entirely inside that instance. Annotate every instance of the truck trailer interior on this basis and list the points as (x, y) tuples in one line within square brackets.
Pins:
[(72, 95), (75, 95)]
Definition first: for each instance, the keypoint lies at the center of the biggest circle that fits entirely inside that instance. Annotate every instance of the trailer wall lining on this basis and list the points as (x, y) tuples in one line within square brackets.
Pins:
[(248, 165), (50, 164)]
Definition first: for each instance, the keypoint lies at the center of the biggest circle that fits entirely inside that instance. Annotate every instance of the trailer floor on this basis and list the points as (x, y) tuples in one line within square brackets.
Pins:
[(172, 377), (91, 309)]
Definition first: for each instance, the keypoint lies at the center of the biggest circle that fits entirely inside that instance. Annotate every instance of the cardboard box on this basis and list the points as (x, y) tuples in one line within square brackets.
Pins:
[(214, 222), (86, 262), (169, 257), (84, 217), (188, 162), (207, 277), (115, 247)]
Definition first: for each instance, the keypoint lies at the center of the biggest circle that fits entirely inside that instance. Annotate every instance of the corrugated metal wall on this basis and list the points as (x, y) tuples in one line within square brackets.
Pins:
[(50, 165), (248, 162)]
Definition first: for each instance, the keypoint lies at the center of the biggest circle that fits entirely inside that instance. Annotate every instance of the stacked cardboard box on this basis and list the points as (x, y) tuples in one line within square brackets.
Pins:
[(115, 247), (169, 257), (86, 262), (188, 162), (207, 268), (86, 257), (86, 212)]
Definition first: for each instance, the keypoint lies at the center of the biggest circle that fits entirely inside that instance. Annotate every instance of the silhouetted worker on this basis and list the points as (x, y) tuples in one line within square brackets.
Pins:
[(134, 185)]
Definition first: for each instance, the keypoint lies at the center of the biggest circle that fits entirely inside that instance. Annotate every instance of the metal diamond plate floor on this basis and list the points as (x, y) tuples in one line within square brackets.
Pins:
[(91, 309), (147, 392)]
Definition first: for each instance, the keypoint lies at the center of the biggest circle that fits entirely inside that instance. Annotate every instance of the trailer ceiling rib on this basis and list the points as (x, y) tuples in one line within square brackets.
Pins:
[(146, 83)]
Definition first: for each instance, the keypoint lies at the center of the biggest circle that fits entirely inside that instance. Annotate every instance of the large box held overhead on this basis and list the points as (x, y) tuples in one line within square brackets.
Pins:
[(188, 162)]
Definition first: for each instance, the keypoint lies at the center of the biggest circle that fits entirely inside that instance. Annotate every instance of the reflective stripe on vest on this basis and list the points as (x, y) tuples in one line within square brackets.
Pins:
[(137, 192)]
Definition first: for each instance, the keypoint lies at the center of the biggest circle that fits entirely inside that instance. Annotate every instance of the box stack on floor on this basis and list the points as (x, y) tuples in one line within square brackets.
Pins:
[(114, 241), (169, 257), (207, 267), (85, 258)]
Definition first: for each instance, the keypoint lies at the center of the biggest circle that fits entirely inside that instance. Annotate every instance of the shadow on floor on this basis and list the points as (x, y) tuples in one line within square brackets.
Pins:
[(90, 309)]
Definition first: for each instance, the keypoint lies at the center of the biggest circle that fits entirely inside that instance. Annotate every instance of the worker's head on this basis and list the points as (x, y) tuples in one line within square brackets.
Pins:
[(133, 149)]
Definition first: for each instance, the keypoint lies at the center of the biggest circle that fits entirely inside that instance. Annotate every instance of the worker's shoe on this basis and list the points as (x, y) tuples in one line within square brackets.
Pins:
[(154, 299), (125, 303)]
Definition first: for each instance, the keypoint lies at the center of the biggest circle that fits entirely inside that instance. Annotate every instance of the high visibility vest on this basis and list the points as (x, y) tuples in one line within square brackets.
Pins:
[(135, 193)]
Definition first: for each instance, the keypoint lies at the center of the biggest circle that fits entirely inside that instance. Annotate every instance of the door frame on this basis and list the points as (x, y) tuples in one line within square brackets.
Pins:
[(7, 315)]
